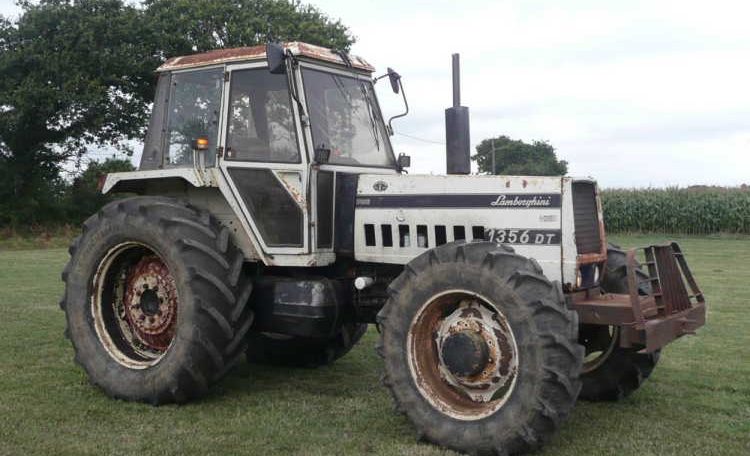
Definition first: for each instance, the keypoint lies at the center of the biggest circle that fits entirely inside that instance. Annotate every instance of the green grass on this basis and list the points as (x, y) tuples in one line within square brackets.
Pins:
[(696, 402)]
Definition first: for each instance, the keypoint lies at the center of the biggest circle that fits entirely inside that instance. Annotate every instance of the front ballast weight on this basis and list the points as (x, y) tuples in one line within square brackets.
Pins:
[(661, 303)]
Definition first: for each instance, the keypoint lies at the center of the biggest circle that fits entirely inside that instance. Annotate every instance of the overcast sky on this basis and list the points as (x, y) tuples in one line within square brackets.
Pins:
[(632, 93)]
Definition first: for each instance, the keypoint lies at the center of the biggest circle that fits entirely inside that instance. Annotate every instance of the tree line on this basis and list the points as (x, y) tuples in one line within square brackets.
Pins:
[(79, 74)]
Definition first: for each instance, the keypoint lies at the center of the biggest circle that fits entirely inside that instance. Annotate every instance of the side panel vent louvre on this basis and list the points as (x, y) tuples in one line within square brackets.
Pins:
[(440, 235), (370, 235), (403, 236), (459, 233), (387, 234)]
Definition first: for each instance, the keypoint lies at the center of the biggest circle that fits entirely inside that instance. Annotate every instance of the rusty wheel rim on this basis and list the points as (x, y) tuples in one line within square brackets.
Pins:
[(462, 355), (134, 304), (599, 343)]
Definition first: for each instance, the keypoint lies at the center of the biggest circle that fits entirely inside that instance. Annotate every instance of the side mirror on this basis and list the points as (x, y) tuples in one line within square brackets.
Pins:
[(394, 78), (275, 56), (322, 155), (404, 161)]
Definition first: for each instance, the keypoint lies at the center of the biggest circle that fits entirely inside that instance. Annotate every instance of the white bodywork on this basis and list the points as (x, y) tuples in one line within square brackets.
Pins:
[(528, 224), (533, 214)]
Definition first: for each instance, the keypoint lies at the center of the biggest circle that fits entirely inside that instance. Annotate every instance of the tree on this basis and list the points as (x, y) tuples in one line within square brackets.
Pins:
[(80, 73), (187, 26), (74, 74), (515, 157), (83, 197)]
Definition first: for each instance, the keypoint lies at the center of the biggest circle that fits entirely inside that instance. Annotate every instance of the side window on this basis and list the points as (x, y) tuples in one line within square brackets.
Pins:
[(152, 156), (260, 124), (194, 107)]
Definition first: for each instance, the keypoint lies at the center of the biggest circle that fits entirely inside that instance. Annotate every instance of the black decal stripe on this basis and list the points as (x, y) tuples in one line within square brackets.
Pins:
[(453, 201)]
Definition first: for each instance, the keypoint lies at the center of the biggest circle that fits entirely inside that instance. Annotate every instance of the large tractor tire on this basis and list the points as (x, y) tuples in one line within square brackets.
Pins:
[(480, 350), (610, 372), (281, 350), (155, 300)]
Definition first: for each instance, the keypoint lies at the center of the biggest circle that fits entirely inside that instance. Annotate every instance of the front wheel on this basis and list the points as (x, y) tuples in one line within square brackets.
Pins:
[(611, 372), (480, 351)]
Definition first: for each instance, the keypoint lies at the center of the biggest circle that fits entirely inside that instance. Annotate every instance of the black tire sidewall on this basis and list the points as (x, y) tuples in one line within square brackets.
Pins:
[(537, 402), (115, 228)]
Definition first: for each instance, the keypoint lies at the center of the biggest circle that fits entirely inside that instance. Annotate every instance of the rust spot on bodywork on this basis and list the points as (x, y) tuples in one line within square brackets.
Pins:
[(297, 196), (221, 56)]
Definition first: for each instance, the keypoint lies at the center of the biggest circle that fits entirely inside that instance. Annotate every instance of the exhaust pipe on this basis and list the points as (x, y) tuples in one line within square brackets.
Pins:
[(457, 140)]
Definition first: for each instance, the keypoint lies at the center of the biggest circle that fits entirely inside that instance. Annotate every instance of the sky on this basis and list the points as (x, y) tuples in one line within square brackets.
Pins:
[(652, 93)]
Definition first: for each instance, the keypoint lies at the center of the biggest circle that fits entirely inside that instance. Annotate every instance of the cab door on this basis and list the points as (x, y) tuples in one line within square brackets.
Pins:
[(263, 160)]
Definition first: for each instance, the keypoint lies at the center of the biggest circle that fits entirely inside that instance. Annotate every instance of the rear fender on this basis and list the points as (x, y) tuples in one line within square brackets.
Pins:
[(137, 181)]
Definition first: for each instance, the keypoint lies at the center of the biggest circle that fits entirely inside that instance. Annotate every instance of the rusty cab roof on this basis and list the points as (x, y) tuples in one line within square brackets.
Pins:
[(256, 53)]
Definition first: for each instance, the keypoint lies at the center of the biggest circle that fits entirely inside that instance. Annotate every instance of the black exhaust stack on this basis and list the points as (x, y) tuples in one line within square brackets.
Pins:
[(457, 129)]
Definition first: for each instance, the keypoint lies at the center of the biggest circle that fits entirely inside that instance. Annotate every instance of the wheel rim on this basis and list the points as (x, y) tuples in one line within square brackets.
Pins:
[(599, 342), (134, 304), (462, 355)]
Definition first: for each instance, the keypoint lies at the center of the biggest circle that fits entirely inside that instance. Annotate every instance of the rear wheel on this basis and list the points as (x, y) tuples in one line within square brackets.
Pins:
[(611, 372), (282, 350), (155, 300), (480, 351)]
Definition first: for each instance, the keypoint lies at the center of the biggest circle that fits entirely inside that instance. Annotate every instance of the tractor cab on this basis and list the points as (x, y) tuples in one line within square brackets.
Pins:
[(277, 129), (317, 107)]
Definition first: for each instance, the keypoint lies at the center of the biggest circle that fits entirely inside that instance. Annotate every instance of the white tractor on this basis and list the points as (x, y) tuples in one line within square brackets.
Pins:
[(271, 219)]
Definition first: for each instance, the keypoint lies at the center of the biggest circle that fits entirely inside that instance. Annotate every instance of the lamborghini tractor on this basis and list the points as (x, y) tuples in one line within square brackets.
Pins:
[(270, 219)]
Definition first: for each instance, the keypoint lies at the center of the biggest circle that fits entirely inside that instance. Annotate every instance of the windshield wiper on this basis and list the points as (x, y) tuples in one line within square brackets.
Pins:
[(370, 114)]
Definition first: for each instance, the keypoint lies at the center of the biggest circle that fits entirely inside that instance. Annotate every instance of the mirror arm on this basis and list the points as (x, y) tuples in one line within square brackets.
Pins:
[(406, 105)]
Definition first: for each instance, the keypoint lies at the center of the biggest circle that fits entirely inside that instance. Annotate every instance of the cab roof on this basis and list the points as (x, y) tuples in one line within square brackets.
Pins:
[(256, 53)]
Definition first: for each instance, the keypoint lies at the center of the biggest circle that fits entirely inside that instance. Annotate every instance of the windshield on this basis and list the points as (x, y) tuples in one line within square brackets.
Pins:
[(345, 119)]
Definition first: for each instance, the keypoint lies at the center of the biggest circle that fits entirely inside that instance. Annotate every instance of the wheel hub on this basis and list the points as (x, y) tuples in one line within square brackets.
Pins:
[(477, 351), (150, 302), (465, 353)]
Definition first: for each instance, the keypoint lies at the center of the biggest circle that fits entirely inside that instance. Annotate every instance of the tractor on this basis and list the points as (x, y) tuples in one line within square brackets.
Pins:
[(270, 220)]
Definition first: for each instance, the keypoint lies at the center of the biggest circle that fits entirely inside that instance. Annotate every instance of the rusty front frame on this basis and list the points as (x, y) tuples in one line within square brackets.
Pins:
[(674, 305)]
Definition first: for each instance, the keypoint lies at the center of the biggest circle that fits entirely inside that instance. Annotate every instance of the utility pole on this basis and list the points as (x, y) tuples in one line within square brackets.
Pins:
[(493, 156)]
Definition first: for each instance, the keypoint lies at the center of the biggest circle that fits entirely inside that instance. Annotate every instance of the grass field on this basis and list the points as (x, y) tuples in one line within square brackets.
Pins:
[(696, 403)]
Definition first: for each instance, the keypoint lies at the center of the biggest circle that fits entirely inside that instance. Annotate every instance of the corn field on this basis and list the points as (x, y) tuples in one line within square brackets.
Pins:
[(693, 210)]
